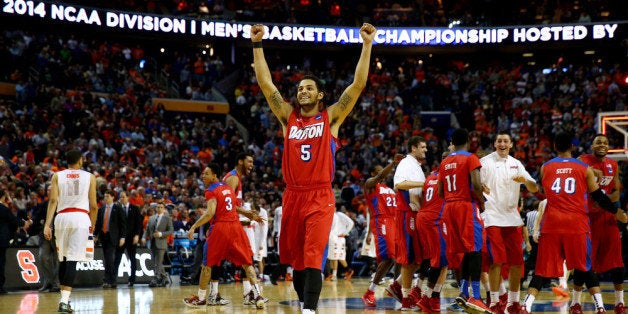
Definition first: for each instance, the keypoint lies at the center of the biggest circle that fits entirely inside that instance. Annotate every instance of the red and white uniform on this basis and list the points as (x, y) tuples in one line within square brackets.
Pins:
[(72, 223), (260, 250), (225, 235), (340, 228), (462, 225), (605, 236), (428, 223), (308, 167), (565, 231), (382, 204), (501, 213)]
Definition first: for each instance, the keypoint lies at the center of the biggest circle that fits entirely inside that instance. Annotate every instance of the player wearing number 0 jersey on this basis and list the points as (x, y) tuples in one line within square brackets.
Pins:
[(428, 223)]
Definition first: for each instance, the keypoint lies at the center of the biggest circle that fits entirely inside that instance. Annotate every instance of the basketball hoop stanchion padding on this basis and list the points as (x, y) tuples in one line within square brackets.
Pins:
[(611, 122)]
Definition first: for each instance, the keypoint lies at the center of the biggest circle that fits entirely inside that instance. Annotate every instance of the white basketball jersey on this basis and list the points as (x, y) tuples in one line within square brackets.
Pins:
[(73, 189)]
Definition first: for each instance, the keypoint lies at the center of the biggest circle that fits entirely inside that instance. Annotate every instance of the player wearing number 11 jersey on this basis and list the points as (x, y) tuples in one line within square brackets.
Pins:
[(459, 184)]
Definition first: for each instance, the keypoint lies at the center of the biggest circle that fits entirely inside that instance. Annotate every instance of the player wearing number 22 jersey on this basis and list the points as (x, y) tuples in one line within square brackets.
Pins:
[(382, 203), (225, 225), (309, 203)]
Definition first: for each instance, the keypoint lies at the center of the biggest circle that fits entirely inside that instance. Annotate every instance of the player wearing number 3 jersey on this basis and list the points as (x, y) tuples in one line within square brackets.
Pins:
[(225, 239), (310, 133)]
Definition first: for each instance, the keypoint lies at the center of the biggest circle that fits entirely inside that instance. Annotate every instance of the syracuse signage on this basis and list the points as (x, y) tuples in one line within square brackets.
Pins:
[(23, 272)]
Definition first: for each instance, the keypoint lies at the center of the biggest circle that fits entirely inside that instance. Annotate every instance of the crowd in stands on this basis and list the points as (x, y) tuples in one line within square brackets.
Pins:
[(93, 95)]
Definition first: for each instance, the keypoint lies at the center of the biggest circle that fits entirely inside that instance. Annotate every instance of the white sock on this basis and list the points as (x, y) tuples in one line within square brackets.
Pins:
[(428, 292), (213, 288), (437, 288), (487, 286), (619, 296), (334, 273), (513, 296), (419, 283), (201, 294), (528, 302), (372, 286), (562, 280), (289, 270), (302, 304), (576, 297), (246, 285), (494, 297), (405, 292), (597, 298), (256, 291), (502, 288), (65, 296)]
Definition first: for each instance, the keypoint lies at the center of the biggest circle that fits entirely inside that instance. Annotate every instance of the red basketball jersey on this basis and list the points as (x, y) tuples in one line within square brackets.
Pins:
[(309, 150), (225, 202), (431, 203), (565, 184), (382, 201), (455, 172), (238, 191), (609, 169)]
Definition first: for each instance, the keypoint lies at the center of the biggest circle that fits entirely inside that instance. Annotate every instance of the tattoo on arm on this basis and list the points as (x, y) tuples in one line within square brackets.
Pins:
[(344, 101), (276, 100)]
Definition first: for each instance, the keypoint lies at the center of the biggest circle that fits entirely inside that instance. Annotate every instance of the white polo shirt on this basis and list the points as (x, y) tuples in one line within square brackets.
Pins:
[(409, 169), (500, 208)]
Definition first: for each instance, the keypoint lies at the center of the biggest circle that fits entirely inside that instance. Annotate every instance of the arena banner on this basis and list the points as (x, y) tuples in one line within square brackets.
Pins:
[(402, 36), (23, 269), (171, 104), (7, 89)]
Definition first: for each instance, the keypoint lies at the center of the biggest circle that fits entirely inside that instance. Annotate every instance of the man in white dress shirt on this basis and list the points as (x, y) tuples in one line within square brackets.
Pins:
[(502, 176)]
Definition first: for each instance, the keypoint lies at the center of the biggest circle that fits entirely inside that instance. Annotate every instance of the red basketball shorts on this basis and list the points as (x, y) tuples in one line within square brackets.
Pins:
[(227, 240), (554, 248), (305, 226)]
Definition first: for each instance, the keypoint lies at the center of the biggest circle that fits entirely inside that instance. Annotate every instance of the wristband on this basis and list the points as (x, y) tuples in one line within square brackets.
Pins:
[(257, 44)]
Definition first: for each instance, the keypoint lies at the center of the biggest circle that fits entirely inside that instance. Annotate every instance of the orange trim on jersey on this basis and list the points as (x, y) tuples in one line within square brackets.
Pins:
[(72, 210)]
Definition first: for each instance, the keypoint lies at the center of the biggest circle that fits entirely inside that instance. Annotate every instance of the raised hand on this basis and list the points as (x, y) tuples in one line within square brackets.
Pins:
[(398, 157), (257, 32), (367, 31)]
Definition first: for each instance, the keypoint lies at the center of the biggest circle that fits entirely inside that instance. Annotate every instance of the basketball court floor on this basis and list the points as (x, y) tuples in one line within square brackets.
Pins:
[(341, 296)]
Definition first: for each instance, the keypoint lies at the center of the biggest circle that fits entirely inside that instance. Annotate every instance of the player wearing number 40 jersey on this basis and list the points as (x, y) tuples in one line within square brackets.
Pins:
[(565, 231)]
